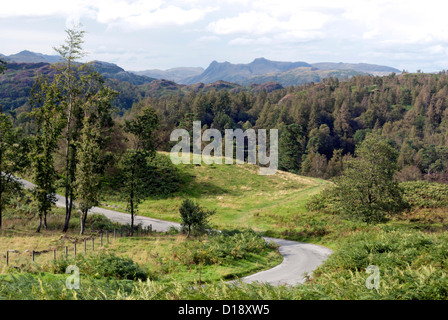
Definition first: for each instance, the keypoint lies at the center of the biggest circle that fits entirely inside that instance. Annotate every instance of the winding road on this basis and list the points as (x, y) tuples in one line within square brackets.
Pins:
[(299, 259)]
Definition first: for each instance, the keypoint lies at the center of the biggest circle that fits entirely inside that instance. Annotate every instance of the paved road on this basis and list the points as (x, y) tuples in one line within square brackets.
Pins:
[(299, 258)]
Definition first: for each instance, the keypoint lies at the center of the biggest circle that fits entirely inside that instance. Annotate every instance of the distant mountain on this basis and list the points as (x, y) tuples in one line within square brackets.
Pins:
[(300, 76), (173, 74), (18, 79), (32, 57), (227, 71), (112, 71), (372, 69)]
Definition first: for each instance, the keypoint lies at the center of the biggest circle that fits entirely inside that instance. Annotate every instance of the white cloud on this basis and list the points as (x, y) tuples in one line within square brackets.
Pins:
[(297, 25), (144, 14), (132, 14)]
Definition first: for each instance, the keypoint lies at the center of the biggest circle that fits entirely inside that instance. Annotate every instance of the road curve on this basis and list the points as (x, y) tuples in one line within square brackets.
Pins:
[(299, 259)]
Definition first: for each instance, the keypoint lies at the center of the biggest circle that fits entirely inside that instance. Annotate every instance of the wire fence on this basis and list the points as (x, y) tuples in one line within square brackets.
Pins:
[(77, 246)]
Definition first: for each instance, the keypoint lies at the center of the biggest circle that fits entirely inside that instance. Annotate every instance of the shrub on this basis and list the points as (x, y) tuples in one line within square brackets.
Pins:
[(194, 217), (105, 265)]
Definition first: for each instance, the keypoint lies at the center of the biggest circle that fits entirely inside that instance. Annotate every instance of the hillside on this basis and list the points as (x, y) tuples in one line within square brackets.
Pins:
[(112, 71), (242, 198)]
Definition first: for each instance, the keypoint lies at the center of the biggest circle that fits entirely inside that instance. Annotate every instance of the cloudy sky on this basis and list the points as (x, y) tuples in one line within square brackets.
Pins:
[(147, 34)]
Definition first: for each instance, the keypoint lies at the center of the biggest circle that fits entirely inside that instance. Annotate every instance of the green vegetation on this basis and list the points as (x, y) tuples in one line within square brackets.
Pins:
[(194, 218), (366, 189)]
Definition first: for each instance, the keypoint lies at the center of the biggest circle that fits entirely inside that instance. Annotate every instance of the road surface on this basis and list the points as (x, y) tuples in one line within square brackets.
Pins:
[(299, 258)]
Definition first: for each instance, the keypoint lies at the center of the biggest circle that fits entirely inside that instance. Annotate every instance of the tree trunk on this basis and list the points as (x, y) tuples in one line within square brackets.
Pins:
[(132, 217), (45, 221), (132, 204), (40, 223), (68, 210), (83, 221)]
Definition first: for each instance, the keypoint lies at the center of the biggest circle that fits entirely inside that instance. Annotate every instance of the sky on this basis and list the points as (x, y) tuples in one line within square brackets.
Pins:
[(156, 34)]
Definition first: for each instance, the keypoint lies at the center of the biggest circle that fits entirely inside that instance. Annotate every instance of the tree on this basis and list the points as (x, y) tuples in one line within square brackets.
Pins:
[(50, 122), (290, 148), (13, 156), (194, 217), (133, 164), (87, 185), (366, 189), (13, 159)]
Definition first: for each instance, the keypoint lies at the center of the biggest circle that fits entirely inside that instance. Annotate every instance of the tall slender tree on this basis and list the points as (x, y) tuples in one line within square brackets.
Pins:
[(134, 161), (92, 142), (48, 113), (87, 185), (71, 84)]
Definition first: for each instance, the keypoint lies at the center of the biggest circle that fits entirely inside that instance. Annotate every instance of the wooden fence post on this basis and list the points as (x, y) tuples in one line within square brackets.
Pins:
[(66, 252), (32, 255), (7, 257), (75, 250)]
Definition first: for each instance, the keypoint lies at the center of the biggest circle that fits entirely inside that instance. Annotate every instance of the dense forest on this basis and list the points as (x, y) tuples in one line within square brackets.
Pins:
[(321, 123)]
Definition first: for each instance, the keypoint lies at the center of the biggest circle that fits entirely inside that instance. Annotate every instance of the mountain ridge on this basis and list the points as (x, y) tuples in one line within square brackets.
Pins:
[(230, 72)]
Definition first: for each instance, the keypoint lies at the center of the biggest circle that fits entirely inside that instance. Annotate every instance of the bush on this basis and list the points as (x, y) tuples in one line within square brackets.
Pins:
[(99, 222), (103, 265), (194, 217)]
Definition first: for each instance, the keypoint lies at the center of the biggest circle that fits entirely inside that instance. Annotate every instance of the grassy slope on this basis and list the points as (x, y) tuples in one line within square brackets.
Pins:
[(241, 197)]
